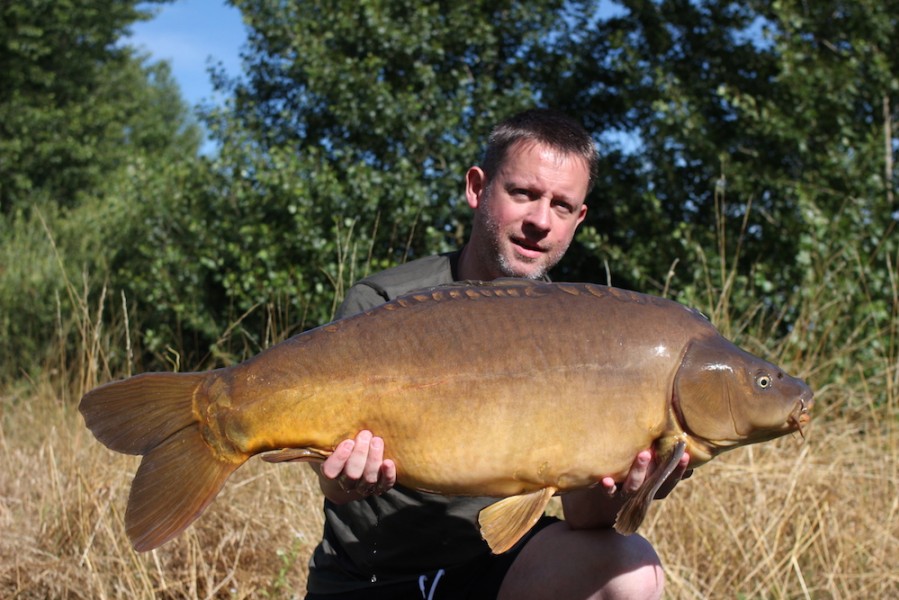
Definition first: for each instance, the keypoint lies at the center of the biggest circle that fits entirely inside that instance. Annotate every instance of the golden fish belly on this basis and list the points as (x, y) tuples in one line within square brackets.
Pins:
[(445, 438)]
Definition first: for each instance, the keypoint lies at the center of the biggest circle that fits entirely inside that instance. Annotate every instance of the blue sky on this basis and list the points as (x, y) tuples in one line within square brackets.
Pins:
[(191, 35)]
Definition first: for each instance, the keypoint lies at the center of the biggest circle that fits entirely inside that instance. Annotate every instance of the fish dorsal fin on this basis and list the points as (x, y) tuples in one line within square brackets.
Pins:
[(296, 454), (634, 510), (493, 283), (505, 522)]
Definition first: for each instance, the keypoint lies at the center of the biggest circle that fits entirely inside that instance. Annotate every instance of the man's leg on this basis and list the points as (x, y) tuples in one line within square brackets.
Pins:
[(560, 562)]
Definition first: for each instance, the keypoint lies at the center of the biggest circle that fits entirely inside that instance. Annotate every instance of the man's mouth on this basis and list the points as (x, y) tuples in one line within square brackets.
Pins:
[(528, 249)]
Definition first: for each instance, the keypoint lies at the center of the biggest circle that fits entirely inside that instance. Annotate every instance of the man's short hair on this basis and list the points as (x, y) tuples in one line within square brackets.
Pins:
[(545, 126)]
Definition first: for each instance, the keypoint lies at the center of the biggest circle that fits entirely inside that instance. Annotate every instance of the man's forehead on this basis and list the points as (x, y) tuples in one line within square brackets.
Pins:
[(525, 149), (519, 167)]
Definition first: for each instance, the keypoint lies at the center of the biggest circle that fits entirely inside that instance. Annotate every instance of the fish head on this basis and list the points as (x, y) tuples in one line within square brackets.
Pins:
[(727, 397)]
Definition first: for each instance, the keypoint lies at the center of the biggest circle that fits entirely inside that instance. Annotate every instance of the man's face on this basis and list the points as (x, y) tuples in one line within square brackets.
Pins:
[(526, 217)]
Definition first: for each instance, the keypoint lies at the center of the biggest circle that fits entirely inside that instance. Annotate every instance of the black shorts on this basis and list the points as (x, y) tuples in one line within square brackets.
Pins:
[(476, 580)]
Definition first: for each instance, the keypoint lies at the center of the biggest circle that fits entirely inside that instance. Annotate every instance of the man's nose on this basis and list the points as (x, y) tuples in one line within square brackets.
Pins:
[(539, 215)]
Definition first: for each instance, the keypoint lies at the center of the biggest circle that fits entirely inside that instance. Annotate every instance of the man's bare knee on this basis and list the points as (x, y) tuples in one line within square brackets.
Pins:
[(560, 562)]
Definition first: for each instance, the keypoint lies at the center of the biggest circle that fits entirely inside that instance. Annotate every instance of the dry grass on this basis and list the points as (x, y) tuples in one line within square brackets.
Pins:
[(783, 520), (786, 519), (62, 497)]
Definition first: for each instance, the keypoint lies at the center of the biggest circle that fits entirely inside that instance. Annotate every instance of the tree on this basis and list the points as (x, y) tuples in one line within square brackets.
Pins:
[(350, 131), (74, 101), (85, 125), (752, 114)]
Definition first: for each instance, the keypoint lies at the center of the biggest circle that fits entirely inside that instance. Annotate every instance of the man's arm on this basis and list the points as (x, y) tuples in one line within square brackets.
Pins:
[(359, 298)]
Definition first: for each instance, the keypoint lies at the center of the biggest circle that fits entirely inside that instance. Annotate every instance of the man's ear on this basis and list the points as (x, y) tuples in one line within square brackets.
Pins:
[(475, 186), (582, 214)]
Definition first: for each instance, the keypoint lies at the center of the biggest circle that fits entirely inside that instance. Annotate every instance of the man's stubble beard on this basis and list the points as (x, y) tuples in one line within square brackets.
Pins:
[(500, 262)]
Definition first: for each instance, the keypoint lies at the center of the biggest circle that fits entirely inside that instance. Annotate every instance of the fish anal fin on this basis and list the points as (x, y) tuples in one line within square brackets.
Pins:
[(634, 510), (503, 523), (174, 484), (296, 454)]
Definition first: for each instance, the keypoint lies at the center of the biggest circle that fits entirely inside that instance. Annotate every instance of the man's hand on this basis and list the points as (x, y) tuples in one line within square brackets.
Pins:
[(599, 506), (641, 468), (357, 469)]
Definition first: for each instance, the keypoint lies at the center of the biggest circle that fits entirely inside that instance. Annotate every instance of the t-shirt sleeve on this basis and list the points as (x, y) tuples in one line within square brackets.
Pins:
[(360, 298)]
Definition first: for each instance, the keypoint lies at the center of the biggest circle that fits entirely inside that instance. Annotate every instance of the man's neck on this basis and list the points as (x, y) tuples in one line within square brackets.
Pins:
[(470, 268)]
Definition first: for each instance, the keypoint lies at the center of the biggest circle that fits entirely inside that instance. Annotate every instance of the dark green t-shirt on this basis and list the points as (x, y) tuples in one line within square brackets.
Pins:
[(402, 533)]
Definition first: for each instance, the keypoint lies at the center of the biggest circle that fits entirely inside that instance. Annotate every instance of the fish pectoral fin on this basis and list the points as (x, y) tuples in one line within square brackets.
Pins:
[(634, 510), (505, 522), (296, 454)]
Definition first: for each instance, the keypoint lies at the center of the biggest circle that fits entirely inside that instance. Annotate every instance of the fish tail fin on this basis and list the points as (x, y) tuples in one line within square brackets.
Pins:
[(174, 484), (153, 415)]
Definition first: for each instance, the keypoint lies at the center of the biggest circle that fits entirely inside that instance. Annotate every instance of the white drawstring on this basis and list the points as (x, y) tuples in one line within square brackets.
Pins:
[(429, 595)]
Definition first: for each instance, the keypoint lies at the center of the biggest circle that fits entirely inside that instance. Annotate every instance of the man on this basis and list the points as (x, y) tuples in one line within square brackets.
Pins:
[(385, 541)]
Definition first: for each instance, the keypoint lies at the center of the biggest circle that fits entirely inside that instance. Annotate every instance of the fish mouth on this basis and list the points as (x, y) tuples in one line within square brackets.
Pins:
[(800, 417)]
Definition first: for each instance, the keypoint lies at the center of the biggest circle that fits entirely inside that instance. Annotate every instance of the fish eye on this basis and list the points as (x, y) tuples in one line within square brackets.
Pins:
[(763, 381)]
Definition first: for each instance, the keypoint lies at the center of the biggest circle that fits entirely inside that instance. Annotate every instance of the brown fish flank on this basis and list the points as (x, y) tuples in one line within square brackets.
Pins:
[(513, 389)]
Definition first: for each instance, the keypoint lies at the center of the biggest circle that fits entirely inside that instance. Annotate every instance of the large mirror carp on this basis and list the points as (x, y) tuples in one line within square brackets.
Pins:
[(513, 389)]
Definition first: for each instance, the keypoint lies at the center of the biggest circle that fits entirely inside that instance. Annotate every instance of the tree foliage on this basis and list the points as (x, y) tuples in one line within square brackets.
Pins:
[(80, 114), (750, 106), (748, 154), (351, 127), (74, 101)]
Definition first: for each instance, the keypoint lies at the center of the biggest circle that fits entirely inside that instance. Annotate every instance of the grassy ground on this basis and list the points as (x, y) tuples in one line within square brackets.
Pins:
[(793, 518), (787, 519), (817, 518)]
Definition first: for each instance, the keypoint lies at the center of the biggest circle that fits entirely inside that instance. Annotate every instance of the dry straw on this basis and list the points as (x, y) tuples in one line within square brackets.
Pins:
[(793, 518)]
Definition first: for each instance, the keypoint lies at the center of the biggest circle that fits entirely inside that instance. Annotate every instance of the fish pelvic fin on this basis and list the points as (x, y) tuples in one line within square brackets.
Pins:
[(296, 455), (153, 415), (505, 522), (631, 515)]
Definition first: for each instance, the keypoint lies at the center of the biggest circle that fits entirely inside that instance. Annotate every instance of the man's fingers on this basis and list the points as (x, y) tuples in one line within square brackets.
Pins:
[(609, 486), (387, 477), (355, 465), (333, 466), (373, 461), (642, 467), (358, 466), (637, 475)]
